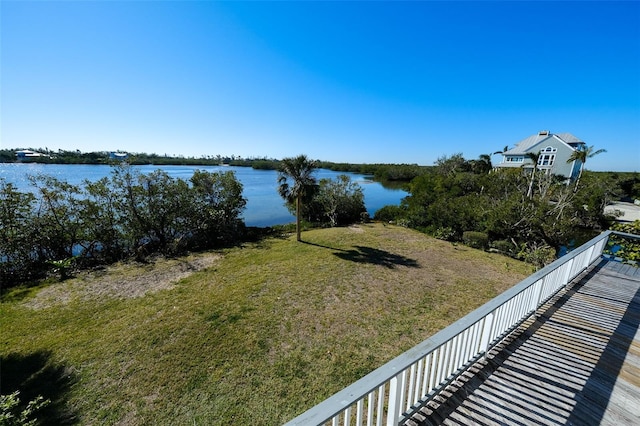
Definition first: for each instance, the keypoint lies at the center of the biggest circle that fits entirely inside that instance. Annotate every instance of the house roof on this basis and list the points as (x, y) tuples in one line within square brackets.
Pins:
[(569, 138), (526, 144)]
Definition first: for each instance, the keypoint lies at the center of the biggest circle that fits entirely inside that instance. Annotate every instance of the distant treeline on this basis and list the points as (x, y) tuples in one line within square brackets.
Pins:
[(104, 157), (380, 172)]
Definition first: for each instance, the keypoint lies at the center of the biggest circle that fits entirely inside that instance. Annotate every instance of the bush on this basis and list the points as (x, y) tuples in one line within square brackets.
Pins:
[(504, 247), (336, 202), (129, 214), (537, 255), (388, 213), (475, 239), (445, 233), (17, 233), (625, 248), (13, 413)]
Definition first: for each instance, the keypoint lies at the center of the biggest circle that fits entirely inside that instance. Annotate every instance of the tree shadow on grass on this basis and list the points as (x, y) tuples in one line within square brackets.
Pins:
[(36, 375), (371, 255), (377, 257)]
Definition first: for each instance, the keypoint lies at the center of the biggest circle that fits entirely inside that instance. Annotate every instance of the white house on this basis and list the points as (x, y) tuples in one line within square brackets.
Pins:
[(555, 150), (26, 154), (118, 155)]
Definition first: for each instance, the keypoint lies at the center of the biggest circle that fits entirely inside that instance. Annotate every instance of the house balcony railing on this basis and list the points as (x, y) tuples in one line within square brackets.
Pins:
[(391, 394)]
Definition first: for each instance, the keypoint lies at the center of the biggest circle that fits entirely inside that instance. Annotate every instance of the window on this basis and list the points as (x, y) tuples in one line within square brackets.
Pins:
[(547, 156), (546, 159), (515, 159)]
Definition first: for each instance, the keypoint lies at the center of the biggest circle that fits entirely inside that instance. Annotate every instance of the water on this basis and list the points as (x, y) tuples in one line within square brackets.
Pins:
[(264, 206)]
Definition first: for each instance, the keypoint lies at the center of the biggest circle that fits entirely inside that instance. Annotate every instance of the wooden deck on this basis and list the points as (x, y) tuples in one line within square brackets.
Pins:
[(577, 363)]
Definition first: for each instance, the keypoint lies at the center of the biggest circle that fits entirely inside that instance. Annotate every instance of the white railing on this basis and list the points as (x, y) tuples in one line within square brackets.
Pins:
[(391, 393)]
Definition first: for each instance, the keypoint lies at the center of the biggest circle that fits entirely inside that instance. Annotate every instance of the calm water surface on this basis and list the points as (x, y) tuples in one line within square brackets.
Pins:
[(264, 205)]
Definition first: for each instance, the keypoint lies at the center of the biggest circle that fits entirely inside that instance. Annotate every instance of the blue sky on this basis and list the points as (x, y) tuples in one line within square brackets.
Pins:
[(360, 82)]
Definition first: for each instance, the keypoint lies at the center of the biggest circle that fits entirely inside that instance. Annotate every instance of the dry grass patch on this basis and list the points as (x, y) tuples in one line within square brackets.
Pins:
[(123, 280)]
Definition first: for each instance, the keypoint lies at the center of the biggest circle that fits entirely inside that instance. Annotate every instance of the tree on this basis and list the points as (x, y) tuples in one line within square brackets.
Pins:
[(449, 166), (299, 170), (103, 222), (505, 149), (339, 201), (581, 154), (482, 165), (153, 209), (533, 156), (218, 205), (16, 234), (57, 217)]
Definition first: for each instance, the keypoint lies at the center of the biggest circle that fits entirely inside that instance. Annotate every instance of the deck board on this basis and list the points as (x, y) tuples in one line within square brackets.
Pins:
[(577, 362)]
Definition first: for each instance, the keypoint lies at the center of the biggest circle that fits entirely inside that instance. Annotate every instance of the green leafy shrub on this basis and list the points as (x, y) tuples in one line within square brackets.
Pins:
[(625, 248), (62, 226), (389, 213), (336, 202), (504, 247), (445, 233), (475, 239), (63, 267), (538, 255), (12, 414)]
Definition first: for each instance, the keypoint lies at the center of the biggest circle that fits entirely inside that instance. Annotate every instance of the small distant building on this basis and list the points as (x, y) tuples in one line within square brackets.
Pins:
[(118, 156), (26, 155), (554, 149)]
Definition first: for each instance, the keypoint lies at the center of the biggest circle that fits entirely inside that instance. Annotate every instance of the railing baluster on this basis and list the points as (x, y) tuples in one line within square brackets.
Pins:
[(456, 354), (486, 332), (447, 360), (497, 322), (394, 401), (402, 388), (540, 283), (566, 278), (418, 381), (347, 417), (380, 405), (517, 311), (434, 368), (370, 407), (450, 356), (506, 316), (472, 348), (465, 346), (359, 411), (425, 379), (442, 361), (412, 383)]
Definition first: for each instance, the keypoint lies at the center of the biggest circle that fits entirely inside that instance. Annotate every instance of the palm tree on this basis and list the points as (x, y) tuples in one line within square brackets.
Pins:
[(581, 154), (484, 163), (505, 149), (299, 170), (533, 156)]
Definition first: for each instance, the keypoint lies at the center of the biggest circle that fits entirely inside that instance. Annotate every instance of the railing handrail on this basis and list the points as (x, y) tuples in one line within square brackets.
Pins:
[(348, 396)]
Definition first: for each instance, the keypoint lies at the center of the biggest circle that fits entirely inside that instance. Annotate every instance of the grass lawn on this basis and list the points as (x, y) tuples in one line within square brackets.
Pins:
[(250, 335)]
